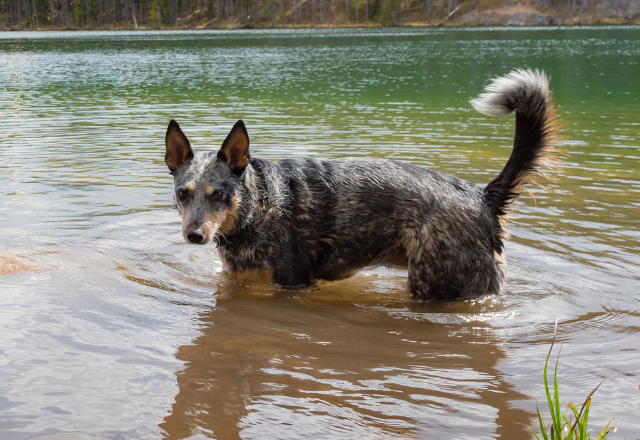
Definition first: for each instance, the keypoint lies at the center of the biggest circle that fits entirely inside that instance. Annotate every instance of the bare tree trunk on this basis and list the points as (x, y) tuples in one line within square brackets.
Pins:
[(366, 12), (53, 13), (393, 17), (35, 10), (347, 7), (283, 13), (356, 2)]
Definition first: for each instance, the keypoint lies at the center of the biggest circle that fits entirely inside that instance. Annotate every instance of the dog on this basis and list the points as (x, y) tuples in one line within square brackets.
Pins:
[(297, 221)]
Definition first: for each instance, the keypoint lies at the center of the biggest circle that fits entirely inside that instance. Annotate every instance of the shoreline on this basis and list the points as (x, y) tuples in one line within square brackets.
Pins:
[(321, 26)]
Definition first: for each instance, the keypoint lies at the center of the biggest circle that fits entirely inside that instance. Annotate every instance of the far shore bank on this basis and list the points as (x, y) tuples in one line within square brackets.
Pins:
[(225, 26), (302, 14)]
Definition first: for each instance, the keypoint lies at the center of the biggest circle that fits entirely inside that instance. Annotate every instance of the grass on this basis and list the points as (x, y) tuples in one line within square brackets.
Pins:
[(562, 427)]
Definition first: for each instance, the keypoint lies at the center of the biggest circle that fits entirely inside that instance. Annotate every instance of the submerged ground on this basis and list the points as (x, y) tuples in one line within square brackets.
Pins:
[(112, 327)]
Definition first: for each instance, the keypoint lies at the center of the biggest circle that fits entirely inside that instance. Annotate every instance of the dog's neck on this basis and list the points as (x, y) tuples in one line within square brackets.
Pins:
[(263, 200)]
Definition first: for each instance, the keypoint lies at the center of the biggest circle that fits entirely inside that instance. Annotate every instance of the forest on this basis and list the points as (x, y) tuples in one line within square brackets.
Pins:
[(161, 14), (190, 13)]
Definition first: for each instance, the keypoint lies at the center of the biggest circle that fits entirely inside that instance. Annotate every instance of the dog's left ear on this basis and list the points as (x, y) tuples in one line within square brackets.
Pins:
[(178, 147), (235, 148)]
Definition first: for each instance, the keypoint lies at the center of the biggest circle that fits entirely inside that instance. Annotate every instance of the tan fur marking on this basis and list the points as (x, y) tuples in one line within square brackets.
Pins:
[(209, 190), (501, 264), (211, 222), (222, 221), (230, 219), (185, 223), (191, 186), (225, 265)]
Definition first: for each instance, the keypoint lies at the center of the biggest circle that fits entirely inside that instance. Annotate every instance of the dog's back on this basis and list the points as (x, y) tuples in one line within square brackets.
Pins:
[(302, 220)]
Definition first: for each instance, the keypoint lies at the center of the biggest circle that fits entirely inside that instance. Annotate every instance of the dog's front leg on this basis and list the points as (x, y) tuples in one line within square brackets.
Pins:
[(295, 268)]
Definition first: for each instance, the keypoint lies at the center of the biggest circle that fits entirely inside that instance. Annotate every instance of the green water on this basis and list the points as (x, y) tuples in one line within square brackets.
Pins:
[(124, 331)]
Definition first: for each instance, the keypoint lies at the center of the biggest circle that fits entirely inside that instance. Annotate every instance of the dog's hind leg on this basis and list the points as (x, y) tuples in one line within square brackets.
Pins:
[(444, 281), (443, 272), (419, 281), (429, 279)]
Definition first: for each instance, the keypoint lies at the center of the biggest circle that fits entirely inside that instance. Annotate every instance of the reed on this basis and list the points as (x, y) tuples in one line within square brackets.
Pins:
[(573, 427)]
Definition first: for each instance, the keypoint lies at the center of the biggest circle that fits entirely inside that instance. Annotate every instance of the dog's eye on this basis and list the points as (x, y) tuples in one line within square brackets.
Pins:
[(217, 194), (182, 194)]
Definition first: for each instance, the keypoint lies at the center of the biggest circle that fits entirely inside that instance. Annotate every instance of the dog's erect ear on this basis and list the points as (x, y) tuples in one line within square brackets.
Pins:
[(178, 148), (235, 148)]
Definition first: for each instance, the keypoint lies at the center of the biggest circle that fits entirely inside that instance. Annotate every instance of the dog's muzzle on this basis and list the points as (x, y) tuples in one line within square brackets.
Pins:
[(200, 229), (198, 234), (195, 236)]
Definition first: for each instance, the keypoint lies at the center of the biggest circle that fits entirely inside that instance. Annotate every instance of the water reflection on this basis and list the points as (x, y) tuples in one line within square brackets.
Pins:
[(379, 367)]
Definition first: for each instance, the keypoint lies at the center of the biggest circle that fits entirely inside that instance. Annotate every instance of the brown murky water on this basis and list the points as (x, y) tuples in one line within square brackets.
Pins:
[(112, 327)]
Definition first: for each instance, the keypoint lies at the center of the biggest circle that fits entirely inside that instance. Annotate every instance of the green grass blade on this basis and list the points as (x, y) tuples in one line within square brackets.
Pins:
[(557, 419), (534, 433), (550, 401), (579, 429), (583, 421), (603, 435), (543, 430)]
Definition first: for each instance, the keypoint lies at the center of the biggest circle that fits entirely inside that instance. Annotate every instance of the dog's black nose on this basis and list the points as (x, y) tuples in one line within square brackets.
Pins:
[(195, 237)]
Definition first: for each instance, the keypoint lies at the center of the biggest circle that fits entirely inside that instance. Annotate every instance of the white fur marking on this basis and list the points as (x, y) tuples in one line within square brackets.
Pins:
[(518, 83)]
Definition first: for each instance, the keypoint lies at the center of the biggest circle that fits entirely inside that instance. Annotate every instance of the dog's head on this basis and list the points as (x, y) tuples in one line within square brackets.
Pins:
[(207, 183)]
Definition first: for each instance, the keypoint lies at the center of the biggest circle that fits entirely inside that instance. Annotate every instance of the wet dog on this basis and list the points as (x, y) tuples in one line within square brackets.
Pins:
[(297, 221)]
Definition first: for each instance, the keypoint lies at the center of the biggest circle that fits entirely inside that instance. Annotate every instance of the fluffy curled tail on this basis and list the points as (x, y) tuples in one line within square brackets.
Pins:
[(534, 146)]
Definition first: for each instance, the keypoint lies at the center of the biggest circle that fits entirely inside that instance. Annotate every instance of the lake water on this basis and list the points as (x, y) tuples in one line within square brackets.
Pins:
[(116, 328)]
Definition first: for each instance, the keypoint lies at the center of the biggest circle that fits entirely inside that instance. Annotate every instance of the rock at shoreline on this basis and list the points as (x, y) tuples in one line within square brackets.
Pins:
[(528, 18), (618, 8), (10, 263), (519, 18)]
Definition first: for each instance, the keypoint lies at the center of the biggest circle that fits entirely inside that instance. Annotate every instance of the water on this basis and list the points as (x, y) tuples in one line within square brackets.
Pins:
[(112, 327)]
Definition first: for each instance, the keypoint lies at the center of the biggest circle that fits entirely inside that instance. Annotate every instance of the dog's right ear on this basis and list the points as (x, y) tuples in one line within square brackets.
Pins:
[(178, 147)]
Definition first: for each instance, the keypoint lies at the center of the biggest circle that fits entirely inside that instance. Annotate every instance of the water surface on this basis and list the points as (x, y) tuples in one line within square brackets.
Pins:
[(118, 329)]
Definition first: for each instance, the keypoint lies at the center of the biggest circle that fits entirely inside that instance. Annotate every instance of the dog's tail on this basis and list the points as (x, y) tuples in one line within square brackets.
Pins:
[(534, 146)]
